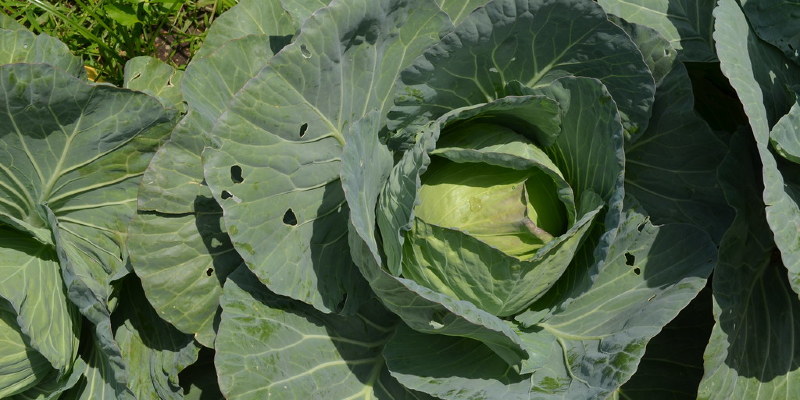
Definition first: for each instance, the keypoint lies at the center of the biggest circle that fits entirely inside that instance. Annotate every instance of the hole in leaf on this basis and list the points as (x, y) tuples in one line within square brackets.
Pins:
[(209, 271), (236, 174), (640, 227), (630, 259), (303, 129), (289, 218), (437, 320), (304, 50), (276, 43), (226, 195), (637, 271)]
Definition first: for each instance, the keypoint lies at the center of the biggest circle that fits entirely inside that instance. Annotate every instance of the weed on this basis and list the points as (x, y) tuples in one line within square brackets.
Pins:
[(107, 33)]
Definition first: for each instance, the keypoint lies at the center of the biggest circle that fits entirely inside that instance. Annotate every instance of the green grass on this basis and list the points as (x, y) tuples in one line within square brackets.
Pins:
[(108, 33)]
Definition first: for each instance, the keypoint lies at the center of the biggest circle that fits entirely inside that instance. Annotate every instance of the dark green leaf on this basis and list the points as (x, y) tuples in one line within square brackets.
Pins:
[(530, 41), (687, 24), (155, 351), (270, 346), (754, 348)]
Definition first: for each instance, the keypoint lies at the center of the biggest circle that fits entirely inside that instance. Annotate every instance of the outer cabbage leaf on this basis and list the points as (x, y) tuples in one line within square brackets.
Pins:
[(585, 347), (178, 207), (431, 312), (178, 219), (6, 22), (363, 185), (459, 10), (30, 280), (785, 135), (199, 380), (588, 151), (183, 261), (21, 367), (302, 9), (156, 78), (687, 24), (530, 41), (98, 380), (452, 368), (672, 365), (775, 21), (653, 273), (314, 89), (658, 54), (671, 168), (72, 154), (175, 178), (22, 46), (53, 385), (763, 79), (253, 17), (754, 348), (270, 346), (783, 192), (155, 350)]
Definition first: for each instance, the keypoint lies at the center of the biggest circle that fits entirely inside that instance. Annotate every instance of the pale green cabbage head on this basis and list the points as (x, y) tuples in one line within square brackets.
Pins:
[(493, 211), (515, 211)]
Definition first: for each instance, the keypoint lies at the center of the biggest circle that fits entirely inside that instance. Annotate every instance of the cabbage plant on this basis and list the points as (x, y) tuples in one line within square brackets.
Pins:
[(416, 199)]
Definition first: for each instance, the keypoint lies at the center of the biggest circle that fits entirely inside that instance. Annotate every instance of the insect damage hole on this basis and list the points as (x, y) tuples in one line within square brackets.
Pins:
[(304, 51), (630, 259), (303, 129), (236, 174), (209, 271), (289, 218), (225, 195)]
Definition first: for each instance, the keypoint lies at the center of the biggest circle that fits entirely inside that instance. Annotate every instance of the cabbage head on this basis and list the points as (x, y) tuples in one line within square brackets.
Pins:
[(493, 209)]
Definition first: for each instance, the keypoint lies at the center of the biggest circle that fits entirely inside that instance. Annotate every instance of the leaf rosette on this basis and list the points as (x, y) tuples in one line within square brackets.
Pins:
[(491, 213), (513, 157)]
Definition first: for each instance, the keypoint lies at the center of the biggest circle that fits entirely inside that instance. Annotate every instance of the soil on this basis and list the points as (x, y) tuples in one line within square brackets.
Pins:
[(172, 51)]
